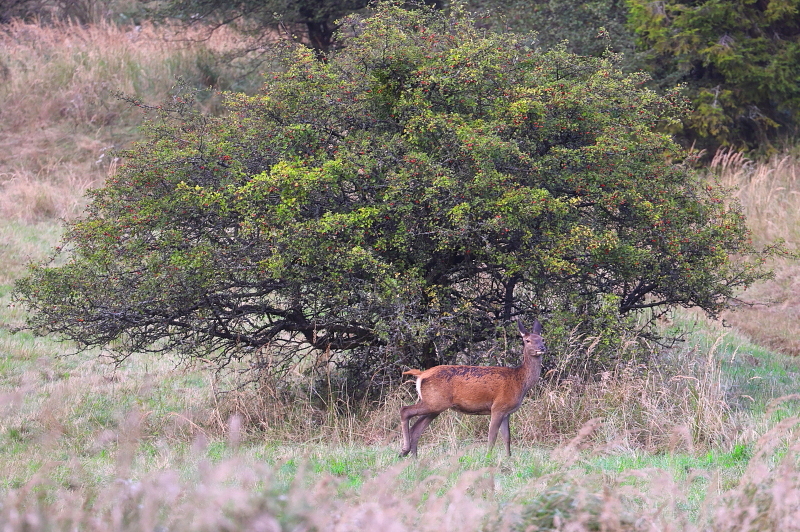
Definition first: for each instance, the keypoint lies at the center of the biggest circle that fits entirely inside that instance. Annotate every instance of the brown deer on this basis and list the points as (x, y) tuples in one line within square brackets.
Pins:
[(477, 390)]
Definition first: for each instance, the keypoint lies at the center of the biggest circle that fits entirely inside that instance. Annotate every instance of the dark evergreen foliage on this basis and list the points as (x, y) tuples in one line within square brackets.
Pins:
[(739, 60)]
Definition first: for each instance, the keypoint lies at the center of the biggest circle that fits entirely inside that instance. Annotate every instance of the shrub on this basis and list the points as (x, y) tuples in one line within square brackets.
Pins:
[(399, 204)]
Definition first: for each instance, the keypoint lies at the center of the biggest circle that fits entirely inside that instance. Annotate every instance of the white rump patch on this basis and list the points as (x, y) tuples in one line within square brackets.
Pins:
[(419, 387)]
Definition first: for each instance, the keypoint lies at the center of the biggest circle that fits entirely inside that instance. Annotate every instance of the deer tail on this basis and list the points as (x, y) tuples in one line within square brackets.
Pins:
[(414, 372)]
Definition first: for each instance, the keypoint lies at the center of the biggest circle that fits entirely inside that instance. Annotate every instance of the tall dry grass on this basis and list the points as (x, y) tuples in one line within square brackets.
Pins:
[(60, 119), (769, 191), (680, 404), (85, 446)]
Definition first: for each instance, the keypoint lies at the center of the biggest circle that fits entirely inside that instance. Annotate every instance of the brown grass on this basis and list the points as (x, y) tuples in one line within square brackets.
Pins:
[(770, 194), (157, 422), (60, 120), (682, 404), (240, 493)]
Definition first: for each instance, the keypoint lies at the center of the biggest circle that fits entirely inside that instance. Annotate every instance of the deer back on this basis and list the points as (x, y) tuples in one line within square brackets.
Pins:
[(478, 389), (470, 389)]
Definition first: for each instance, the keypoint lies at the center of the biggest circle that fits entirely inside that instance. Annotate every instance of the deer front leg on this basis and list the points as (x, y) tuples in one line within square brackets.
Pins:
[(494, 425)]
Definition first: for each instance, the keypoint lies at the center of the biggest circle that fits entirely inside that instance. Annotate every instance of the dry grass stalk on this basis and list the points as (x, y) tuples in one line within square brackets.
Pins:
[(60, 117), (682, 406), (768, 190), (770, 194)]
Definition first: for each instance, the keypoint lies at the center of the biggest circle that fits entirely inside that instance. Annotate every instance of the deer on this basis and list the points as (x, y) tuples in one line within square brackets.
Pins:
[(496, 391)]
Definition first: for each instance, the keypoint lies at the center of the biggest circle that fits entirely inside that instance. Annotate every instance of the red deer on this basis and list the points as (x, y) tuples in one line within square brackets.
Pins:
[(478, 390)]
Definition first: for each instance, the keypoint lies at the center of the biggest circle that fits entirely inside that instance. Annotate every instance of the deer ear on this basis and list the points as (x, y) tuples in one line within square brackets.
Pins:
[(522, 329), (537, 327)]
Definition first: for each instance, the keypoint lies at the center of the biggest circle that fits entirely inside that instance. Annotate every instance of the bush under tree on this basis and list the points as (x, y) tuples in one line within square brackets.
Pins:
[(398, 205)]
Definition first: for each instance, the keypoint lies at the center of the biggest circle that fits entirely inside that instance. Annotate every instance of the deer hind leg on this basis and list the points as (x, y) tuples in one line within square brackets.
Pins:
[(406, 413), (419, 427)]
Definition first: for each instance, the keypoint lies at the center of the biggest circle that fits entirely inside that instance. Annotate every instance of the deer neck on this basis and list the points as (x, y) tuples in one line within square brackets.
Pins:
[(530, 370)]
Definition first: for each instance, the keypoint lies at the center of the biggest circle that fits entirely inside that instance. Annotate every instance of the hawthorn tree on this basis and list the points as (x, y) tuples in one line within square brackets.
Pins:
[(395, 206)]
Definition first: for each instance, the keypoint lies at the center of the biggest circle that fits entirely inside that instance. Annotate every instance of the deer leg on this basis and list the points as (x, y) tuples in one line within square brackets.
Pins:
[(494, 426), (406, 413), (505, 433), (405, 416), (419, 427)]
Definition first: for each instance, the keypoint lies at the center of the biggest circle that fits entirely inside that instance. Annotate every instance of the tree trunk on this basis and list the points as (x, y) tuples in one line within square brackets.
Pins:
[(428, 356), (320, 36)]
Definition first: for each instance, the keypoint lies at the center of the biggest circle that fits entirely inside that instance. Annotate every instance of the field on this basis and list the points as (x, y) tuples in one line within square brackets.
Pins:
[(704, 439)]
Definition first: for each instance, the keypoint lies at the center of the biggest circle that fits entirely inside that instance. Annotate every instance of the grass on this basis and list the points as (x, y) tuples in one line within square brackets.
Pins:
[(704, 439), (21, 243), (770, 194), (87, 445), (61, 119)]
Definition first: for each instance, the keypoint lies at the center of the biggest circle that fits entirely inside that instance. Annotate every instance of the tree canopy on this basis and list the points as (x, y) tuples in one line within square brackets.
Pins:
[(396, 205), (313, 22), (318, 17), (576, 24), (740, 61)]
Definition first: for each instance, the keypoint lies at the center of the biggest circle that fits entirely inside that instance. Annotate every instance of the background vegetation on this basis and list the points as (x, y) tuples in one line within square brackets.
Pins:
[(739, 61), (700, 440), (398, 205)]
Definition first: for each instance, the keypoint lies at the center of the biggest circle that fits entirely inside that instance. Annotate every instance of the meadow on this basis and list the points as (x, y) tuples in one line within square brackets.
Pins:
[(703, 438)]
